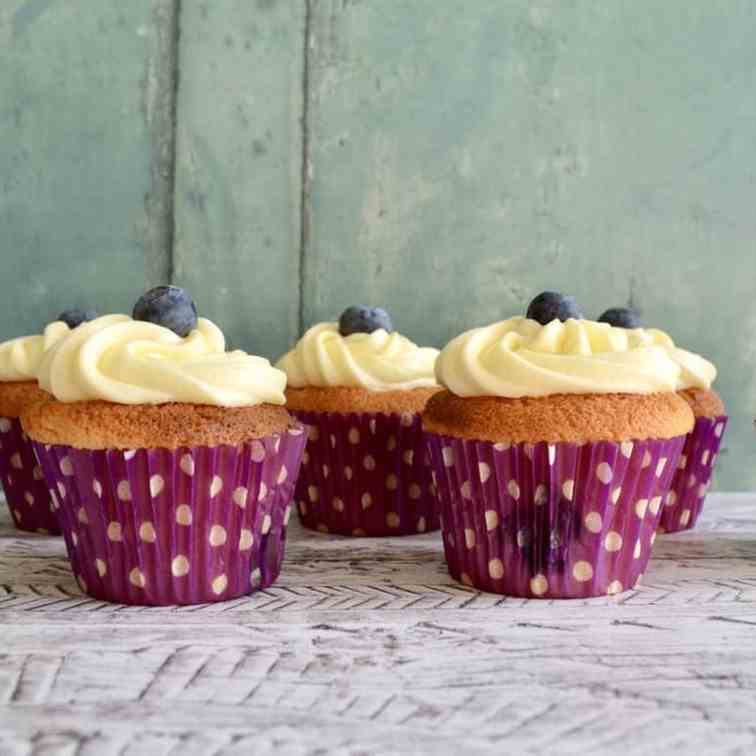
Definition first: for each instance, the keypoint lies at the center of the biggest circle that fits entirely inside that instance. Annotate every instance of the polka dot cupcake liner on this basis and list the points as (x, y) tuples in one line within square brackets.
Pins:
[(23, 481), (551, 520), (684, 502), (365, 474), (187, 526)]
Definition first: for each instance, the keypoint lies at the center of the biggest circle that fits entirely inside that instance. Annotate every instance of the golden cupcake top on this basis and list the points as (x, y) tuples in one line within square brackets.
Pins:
[(360, 351), (163, 354)]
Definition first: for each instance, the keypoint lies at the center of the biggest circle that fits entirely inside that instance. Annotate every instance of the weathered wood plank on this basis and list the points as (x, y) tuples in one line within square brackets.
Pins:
[(86, 155), (465, 156), (239, 165)]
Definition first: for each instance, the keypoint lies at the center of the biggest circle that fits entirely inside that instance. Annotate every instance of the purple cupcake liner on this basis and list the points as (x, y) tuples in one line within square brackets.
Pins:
[(685, 499), (550, 520), (185, 526), (366, 474), (24, 484)]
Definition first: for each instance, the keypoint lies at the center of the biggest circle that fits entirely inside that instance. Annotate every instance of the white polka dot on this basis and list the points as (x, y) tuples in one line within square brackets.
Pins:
[(97, 488), (353, 436), (392, 520), (66, 466), (391, 445), (266, 523), (672, 498), (332, 439), (539, 585), (469, 538), (421, 525), (101, 567), (371, 425), (640, 507), (16, 462), (466, 490), (414, 491), (367, 500), (593, 522), (447, 453), (653, 536), (568, 489), (637, 549), (682, 462), (614, 587), (256, 451), (75, 539), (37, 473), (187, 464), (217, 535), (123, 491), (326, 470), (179, 566), (338, 504), (277, 444), (114, 532), (655, 505), (582, 571), (287, 515), (692, 480), (216, 486), (626, 448), (29, 498), (313, 432), (157, 484), (408, 456), (646, 460), (239, 496), (82, 517), (255, 577), (616, 494), (183, 514), (613, 541), (513, 489), (604, 473), (219, 584), (313, 494), (685, 517), (719, 430), (702, 490), (5, 425), (136, 578), (246, 539), (263, 492), (392, 482), (552, 454), (705, 457), (496, 569), (147, 532), (660, 467), (528, 450), (129, 454), (369, 462), (282, 475), (296, 431), (540, 495), (407, 418), (348, 473), (484, 471), (502, 446), (492, 519)]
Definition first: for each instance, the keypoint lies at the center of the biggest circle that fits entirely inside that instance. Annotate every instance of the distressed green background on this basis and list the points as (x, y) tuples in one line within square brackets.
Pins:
[(444, 158)]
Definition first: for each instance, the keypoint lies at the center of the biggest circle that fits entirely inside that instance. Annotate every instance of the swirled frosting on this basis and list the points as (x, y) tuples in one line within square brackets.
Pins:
[(378, 361), (117, 359), (520, 357), (20, 358), (695, 371)]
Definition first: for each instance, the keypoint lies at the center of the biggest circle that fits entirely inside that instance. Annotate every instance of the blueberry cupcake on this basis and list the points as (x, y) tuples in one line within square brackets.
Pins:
[(22, 479), (172, 460), (552, 446), (360, 387), (684, 501)]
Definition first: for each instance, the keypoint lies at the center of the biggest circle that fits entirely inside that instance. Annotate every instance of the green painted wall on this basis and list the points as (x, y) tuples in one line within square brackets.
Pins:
[(445, 158)]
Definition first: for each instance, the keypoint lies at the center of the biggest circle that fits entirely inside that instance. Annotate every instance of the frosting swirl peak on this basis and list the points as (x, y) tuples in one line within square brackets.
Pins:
[(20, 358)]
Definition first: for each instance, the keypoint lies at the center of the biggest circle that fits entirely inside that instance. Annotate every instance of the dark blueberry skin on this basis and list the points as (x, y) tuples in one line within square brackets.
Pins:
[(621, 317), (168, 306), (360, 319), (76, 316), (550, 305)]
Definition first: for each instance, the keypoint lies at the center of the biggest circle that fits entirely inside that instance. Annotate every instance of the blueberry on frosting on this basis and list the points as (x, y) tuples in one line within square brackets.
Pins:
[(621, 317), (361, 319), (550, 305), (76, 316), (168, 306)]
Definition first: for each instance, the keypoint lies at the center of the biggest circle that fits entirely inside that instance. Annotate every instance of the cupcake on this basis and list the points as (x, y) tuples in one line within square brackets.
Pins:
[(172, 460), (360, 387), (685, 499), (552, 445), (22, 479)]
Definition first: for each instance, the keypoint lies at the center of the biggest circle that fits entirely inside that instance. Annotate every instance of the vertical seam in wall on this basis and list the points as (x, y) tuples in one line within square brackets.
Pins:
[(304, 198), (171, 178)]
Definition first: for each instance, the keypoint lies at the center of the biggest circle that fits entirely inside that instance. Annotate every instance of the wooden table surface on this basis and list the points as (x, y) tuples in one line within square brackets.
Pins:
[(367, 646)]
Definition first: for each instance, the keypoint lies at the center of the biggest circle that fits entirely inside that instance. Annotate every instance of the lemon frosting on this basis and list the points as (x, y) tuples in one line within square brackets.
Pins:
[(520, 357), (378, 361), (20, 358), (117, 359)]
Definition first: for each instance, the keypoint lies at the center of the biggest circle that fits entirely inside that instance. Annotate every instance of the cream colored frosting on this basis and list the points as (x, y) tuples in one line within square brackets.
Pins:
[(378, 361), (20, 358), (520, 357), (127, 361)]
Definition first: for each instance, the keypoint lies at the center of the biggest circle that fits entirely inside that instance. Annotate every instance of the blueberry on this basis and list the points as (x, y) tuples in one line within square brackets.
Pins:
[(76, 316), (550, 305), (621, 317), (168, 306), (360, 319)]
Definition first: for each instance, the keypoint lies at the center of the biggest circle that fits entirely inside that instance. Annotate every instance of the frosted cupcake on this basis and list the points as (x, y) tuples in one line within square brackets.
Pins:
[(552, 446), (685, 500), (360, 387), (22, 479), (172, 461)]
